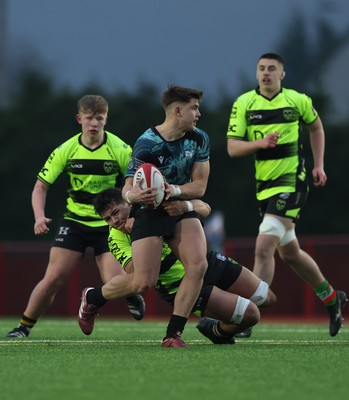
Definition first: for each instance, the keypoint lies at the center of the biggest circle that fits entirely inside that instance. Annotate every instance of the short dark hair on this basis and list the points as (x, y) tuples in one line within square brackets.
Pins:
[(104, 199), (181, 94), (272, 56), (92, 103)]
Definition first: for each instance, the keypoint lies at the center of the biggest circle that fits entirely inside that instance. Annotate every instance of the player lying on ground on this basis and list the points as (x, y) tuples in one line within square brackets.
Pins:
[(231, 293)]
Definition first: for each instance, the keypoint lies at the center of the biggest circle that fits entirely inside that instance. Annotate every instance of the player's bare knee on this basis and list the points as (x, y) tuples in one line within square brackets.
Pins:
[(271, 299), (201, 269), (196, 270), (263, 253), (252, 315), (140, 287), (143, 286), (288, 257), (54, 283)]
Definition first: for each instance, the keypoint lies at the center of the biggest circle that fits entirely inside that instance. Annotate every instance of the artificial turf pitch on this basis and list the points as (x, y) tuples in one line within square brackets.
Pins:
[(124, 360)]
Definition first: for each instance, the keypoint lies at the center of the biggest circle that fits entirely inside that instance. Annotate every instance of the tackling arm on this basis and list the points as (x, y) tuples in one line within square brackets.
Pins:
[(179, 207), (194, 189)]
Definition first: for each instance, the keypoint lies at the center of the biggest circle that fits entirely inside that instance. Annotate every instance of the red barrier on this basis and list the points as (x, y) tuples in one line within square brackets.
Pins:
[(22, 265), (295, 298)]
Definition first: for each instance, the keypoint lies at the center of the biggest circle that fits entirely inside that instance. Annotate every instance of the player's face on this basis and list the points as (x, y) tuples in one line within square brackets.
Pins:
[(116, 215), (269, 75), (189, 113), (92, 124)]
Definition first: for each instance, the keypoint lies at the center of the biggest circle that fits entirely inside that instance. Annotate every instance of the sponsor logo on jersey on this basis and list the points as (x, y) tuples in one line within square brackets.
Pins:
[(284, 195), (63, 230), (108, 167), (51, 157), (189, 153), (255, 116), (290, 114), (122, 257), (232, 128), (280, 204), (234, 112), (220, 257), (77, 182), (43, 171)]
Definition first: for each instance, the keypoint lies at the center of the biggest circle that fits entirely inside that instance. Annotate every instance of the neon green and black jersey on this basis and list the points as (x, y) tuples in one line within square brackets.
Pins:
[(89, 171), (254, 116), (171, 270)]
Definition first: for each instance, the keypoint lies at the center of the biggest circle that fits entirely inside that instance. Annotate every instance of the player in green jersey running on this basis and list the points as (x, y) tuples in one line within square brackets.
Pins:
[(230, 294), (267, 122), (94, 160)]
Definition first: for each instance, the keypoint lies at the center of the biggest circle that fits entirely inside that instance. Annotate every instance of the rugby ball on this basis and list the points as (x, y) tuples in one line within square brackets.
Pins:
[(149, 176)]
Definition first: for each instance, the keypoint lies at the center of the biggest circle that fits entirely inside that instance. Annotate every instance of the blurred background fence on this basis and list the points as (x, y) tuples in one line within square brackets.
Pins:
[(23, 263)]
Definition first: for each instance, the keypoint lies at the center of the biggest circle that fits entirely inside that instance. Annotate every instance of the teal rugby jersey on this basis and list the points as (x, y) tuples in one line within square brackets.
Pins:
[(254, 116), (89, 171), (175, 159), (171, 270)]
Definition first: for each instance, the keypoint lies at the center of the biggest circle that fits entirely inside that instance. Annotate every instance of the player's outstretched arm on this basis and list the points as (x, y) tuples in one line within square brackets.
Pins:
[(39, 195)]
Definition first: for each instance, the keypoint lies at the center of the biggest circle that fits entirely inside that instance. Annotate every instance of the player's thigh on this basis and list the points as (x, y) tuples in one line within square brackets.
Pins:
[(246, 284), (108, 266), (61, 263), (146, 257), (189, 243), (221, 304), (266, 245)]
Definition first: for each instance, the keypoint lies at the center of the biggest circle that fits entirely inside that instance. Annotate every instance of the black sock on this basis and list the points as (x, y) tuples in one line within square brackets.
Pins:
[(220, 332), (27, 322), (175, 325), (95, 297)]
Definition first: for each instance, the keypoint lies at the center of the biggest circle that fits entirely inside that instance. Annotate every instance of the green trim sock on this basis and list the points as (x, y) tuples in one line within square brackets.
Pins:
[(326, 293)]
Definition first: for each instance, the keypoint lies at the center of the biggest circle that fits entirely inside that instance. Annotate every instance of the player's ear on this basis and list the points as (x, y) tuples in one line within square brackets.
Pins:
[(78, 118), (283, 74)]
